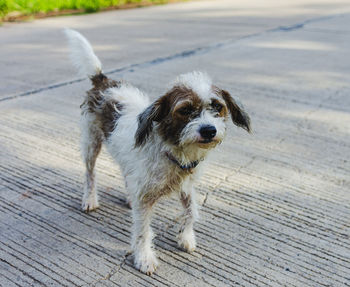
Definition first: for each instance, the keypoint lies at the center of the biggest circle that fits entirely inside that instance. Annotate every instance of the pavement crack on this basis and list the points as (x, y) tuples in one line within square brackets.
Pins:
[(291, 28), (205, 198), (113, 271), (225, 179), (179, 55)]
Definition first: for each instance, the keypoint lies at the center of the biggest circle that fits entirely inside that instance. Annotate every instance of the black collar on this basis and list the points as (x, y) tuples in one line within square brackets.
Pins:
[(184, 167)]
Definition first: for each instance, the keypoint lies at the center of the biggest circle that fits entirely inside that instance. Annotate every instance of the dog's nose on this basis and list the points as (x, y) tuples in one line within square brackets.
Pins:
[(207, 131)]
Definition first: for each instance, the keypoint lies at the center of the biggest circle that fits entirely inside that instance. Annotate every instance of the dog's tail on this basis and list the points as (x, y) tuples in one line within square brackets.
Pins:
[(82, 55)]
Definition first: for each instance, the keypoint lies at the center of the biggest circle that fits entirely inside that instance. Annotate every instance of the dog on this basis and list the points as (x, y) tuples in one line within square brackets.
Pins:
[(159, 145)]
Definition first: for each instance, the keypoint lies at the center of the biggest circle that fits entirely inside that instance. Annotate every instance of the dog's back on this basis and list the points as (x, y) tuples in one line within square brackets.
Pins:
[(108, 100)]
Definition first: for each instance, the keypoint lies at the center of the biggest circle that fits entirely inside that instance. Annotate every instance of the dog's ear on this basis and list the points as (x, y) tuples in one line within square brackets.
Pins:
[(239, 116), (154, 113)]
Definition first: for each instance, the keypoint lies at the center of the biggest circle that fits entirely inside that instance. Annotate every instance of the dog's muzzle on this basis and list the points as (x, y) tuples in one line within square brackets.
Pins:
[(207, 132)]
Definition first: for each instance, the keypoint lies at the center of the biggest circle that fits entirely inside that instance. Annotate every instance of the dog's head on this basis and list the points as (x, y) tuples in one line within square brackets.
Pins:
[(193, 112)]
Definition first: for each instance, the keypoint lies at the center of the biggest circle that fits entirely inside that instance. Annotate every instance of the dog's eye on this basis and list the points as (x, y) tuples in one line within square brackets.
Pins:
[(217, 106), (185, 111)]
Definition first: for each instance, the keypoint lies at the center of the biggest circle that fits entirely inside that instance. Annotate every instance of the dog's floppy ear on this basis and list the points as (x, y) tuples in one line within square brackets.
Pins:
[(155, 112), (238, 114)]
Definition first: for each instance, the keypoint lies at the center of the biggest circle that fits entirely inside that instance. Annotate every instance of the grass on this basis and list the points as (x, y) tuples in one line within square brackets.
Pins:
[(16, 8)]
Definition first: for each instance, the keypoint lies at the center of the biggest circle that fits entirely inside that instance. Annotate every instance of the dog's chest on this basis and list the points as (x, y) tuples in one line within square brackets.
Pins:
[(164, 182)]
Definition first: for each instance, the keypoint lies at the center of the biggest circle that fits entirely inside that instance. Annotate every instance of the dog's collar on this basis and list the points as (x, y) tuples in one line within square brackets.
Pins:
[(185, 167)]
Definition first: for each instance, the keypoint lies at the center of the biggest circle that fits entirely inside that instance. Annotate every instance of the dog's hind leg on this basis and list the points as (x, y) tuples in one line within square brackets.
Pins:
[(91, 142)]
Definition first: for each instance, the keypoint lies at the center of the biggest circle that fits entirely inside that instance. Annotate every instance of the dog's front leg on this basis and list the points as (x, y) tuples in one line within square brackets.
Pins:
[(144, 256), (186, 238)]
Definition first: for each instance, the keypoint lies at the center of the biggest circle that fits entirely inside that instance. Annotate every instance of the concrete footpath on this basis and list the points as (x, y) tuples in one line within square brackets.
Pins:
[(275, 205)]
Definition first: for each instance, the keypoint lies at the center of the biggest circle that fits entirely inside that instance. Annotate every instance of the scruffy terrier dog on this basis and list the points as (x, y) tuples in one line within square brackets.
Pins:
[(159, 146)]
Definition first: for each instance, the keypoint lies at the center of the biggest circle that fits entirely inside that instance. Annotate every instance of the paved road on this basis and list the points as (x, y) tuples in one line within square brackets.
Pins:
[(274, 205)]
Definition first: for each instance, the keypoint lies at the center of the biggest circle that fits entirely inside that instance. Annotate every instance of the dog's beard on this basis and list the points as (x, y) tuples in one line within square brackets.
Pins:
[(194, 140), (196, 149), (207, 145)]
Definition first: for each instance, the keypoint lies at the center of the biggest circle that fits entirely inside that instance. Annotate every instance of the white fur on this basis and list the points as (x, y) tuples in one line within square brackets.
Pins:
[(82, 54), (148, 172), (199, 82), (130, 97)]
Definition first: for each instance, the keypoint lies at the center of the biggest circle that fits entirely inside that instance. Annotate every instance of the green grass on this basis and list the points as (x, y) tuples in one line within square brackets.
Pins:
[(30, 7)]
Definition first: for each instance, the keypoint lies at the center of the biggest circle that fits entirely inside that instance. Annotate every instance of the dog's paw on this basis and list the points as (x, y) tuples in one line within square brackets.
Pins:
[(187, 240), (146, 262), (89, 204)]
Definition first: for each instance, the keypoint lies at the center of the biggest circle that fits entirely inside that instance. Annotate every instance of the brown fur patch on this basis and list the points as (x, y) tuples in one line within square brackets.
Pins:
[(105, 109), (183, 105), (101, 82), (185, 200), (223, 112), (169, 181), (168, 111)]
